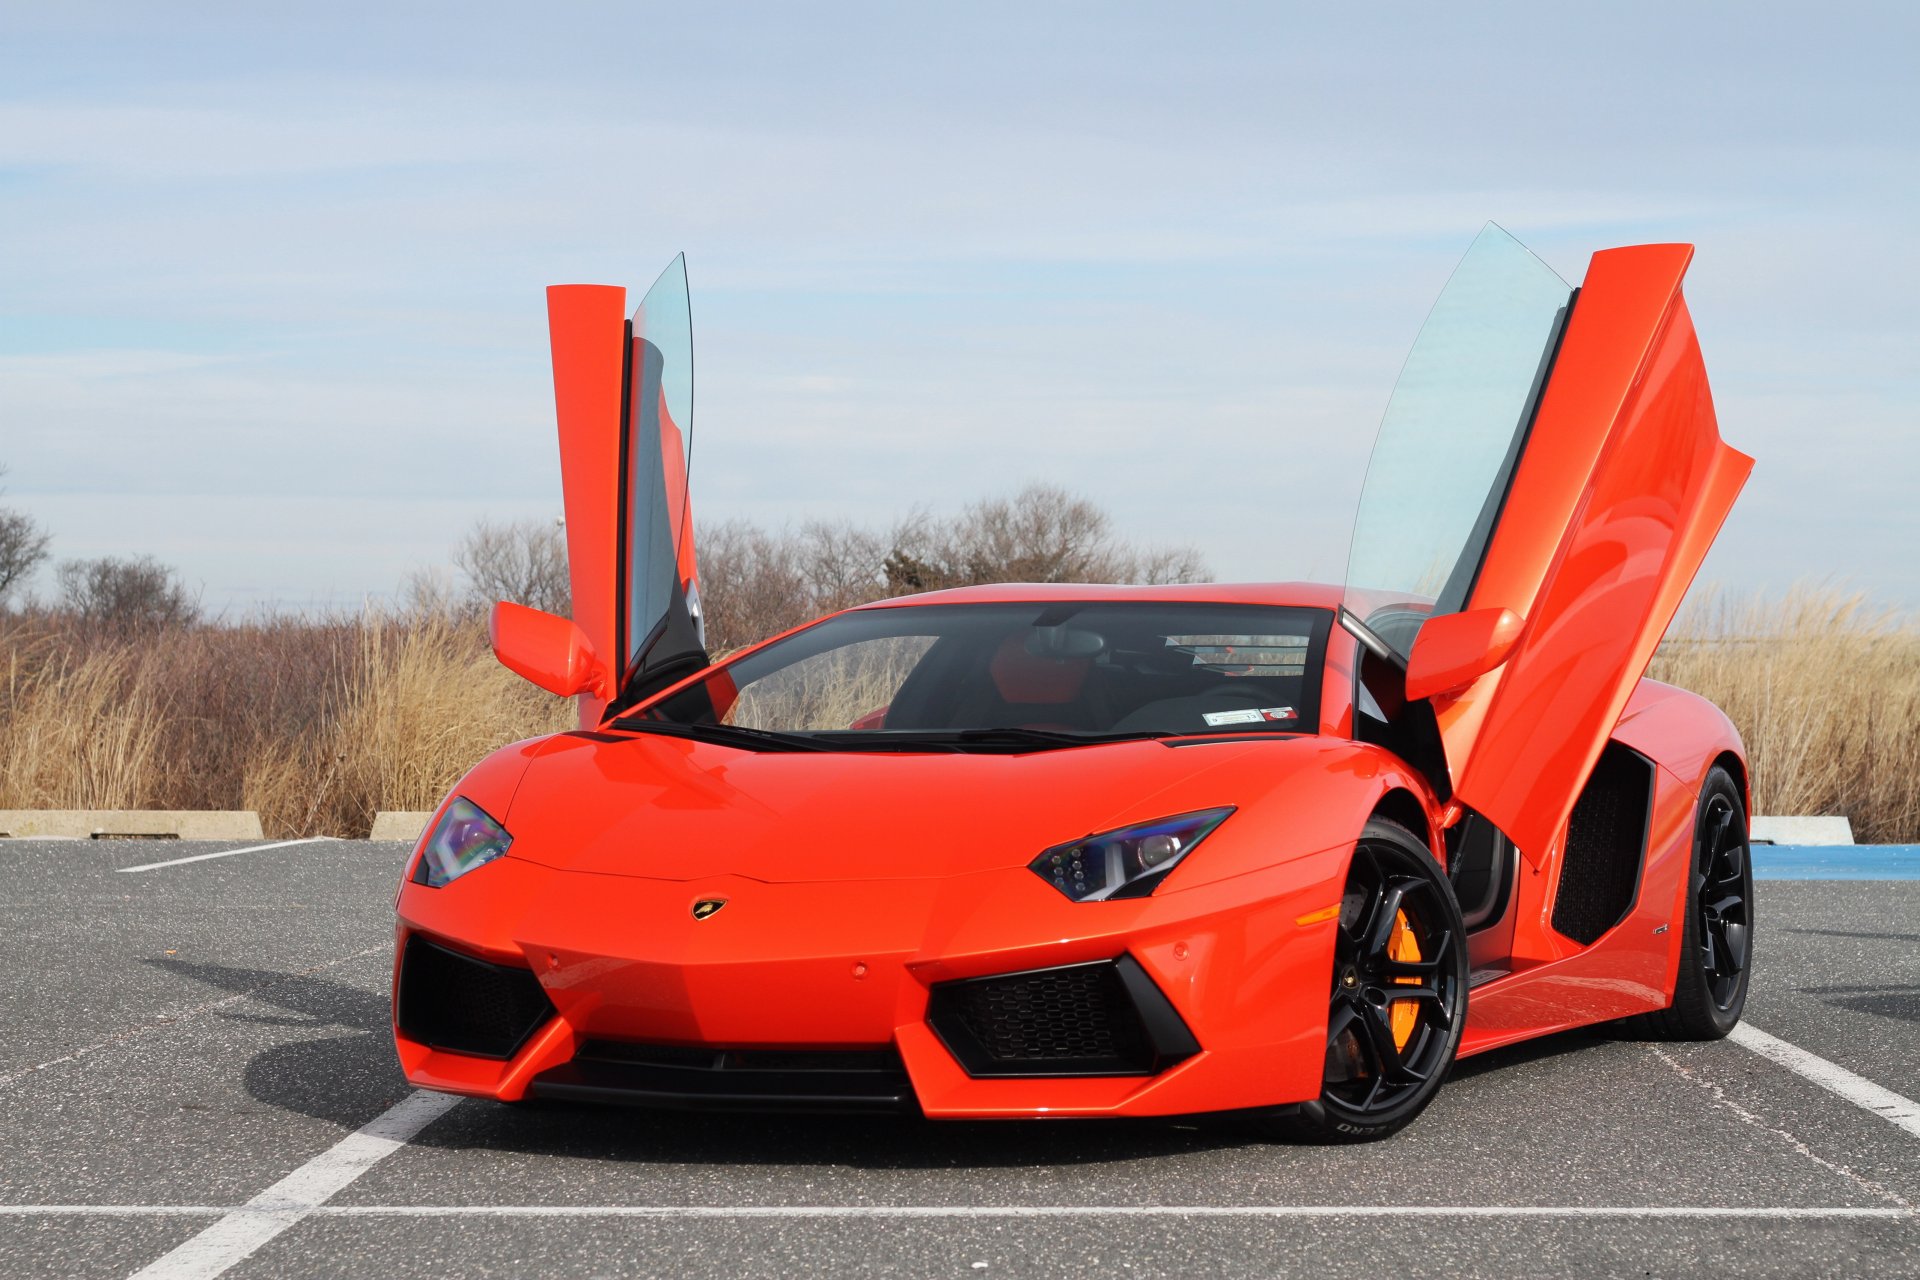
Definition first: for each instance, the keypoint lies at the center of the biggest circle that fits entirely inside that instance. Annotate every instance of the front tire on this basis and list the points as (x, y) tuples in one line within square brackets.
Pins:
[(1716, 948), (1399, 999)]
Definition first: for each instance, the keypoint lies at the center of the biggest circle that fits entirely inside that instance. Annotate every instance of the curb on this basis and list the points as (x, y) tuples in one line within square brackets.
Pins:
[(1801, 830), (399, 824), (108, 824)]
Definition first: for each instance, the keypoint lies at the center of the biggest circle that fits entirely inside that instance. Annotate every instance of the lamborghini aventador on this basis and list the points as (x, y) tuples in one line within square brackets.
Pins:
[(1045, 850)]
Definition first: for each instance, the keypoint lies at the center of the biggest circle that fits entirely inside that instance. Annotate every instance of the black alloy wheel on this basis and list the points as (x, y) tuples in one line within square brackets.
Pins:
[(1722, 891), (1716, 953), (1399, 999)]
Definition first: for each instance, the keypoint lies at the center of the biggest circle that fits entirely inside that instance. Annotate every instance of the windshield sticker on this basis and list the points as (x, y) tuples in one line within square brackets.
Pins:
[(1249, 715)]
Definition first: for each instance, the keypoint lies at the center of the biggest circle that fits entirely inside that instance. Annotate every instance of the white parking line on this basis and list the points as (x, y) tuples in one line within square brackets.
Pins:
[(968, 1211), (246, 1227), (224, 853), (1860, 1091)]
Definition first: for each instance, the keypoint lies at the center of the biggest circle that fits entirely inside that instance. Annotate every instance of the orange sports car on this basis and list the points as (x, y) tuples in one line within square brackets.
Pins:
[(1056, 850)]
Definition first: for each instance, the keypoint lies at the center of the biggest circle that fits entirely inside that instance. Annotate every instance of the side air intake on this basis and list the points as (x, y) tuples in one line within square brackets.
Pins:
[(463, 1005), (1101, 1019), (1606, 846)]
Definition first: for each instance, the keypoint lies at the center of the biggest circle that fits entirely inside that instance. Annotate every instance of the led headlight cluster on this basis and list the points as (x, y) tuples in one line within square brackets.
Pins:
[(466, 837), (1126, 863)]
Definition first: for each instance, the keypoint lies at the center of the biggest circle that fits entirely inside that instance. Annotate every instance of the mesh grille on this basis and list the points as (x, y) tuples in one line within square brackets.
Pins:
[(1606, 842), (464, 1005), (1074, 1020)]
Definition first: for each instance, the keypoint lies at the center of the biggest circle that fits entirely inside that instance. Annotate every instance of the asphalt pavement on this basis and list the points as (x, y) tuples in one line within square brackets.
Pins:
[(197, 1079)]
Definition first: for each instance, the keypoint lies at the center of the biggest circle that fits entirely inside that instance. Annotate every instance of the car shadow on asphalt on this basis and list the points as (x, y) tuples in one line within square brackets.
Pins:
[(1900, 1002), (349, 1074)]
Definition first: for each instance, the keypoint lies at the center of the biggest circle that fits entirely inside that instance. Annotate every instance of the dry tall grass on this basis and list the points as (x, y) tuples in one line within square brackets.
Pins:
[(316, 724), (1825, 689), (81, 733), (319, 723)]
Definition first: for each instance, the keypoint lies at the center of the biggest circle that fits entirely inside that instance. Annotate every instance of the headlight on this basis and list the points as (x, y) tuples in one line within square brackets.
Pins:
[(1127, 863), (465, 837)]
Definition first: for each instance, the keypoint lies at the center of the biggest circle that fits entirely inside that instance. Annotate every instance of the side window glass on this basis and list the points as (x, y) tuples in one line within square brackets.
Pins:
[(1452, 435)]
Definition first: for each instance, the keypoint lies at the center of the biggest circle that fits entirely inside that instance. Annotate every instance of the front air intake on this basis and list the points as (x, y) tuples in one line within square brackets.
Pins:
[(463, 1005), (1106, 1018)]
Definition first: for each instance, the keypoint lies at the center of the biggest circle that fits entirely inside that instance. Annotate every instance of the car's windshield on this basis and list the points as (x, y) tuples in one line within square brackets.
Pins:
[(1068, 670)]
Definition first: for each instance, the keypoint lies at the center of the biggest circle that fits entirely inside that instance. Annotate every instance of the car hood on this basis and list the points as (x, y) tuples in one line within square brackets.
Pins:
[(674, 809)]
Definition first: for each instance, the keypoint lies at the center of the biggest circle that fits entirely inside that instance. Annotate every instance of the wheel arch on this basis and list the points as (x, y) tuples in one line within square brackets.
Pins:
[(1736, 767), (1402, 806)]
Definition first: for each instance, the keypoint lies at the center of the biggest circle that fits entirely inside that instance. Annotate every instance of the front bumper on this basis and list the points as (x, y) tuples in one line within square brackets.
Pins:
[(653, 1006)]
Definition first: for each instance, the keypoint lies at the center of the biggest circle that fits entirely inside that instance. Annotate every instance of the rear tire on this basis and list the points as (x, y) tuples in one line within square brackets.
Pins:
[(1387, 1052), (1716, 948)]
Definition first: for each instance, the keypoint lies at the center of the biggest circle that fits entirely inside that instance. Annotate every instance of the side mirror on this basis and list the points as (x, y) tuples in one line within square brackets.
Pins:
[(551, 652), (1455, 649)]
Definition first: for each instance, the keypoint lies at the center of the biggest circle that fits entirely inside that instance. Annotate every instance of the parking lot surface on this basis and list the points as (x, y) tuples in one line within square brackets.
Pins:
[(198, 1079)]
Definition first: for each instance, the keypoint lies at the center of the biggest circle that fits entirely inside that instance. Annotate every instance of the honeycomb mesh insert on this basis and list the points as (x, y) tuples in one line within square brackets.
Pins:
[(1606, 843), (464, 1005), (1070, 1015)]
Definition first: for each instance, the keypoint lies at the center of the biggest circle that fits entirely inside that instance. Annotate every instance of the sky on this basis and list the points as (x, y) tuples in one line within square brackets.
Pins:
[(271, 279)]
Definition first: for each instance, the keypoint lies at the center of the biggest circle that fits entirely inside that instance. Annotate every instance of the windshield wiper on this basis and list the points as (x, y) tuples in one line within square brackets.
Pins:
[(1063, 738), (727, 735), (1010, 736)]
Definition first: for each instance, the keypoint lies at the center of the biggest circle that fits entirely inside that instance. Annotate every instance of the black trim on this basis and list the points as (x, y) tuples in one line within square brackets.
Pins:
[(672, 650), (622, 566), (1605, 854), (1491, 518), (672, 1077), (461, 1004), (1482, 865), (1369, 639), (1145, 1032), (1410, 731)]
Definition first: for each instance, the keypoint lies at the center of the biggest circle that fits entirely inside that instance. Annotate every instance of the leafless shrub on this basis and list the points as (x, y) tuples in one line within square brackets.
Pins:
[(524, 561), (23, 549), (755, 582), (125, 595), (752, 584)]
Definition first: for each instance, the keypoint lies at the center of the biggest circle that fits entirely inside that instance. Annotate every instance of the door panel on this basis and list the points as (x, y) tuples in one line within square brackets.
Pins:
[(587, 327), (1620, 489), (623, 397)]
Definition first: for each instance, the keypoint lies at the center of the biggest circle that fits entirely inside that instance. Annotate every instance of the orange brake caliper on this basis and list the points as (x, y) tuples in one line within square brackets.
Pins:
[(1402, 946)]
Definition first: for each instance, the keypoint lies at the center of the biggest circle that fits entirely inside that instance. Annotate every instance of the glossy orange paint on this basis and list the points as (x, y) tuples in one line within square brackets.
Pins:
[(1623, 483), (587, 326), (550, 652), (856, 882), (1456, 649)]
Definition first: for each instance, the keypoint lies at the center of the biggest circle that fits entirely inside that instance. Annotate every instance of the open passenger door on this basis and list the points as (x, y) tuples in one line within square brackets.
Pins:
[(1546, 482), (623, 396)]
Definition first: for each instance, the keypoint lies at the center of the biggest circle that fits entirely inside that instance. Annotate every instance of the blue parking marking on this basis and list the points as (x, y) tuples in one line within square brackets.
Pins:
[(1836, 862)]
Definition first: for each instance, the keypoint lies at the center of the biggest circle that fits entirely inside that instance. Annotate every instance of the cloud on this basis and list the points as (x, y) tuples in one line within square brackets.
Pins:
[(289, 263)]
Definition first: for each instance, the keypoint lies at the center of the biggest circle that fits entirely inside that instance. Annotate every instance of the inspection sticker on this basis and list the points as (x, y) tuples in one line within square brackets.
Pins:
[(1249, 715)]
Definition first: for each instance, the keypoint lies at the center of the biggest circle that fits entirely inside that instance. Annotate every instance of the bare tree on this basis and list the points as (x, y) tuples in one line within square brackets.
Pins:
[(134, 594), (755, 583), (752, 584), (1040, 534), (845, 564), (23, 548), (524, 561)]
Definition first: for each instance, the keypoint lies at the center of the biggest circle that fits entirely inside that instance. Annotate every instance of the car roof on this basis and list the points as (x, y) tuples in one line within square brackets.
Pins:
[(1313, 595)]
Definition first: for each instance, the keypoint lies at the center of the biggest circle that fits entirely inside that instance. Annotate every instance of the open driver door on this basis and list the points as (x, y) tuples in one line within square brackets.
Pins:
[(623, 396), (1546, 482)]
